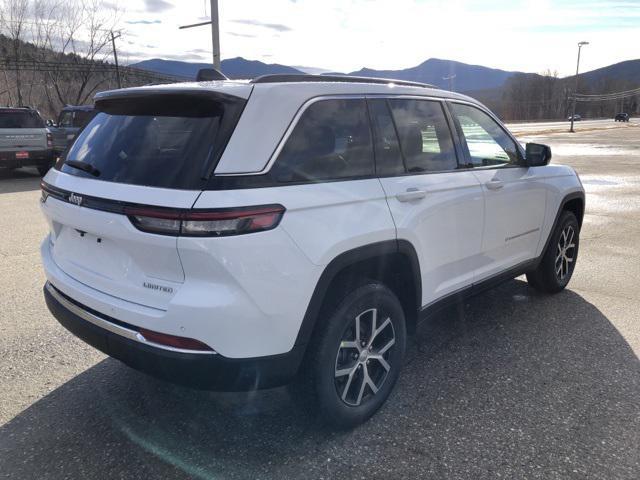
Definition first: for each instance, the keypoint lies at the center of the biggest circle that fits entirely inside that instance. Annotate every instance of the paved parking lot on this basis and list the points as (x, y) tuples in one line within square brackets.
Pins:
[(512, 384)]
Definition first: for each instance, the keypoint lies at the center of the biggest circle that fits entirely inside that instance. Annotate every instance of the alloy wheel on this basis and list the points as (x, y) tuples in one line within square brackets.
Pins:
[(565, 252), (363, 358)]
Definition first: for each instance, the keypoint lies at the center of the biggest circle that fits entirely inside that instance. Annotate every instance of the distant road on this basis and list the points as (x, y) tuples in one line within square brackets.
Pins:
[(544, 127)]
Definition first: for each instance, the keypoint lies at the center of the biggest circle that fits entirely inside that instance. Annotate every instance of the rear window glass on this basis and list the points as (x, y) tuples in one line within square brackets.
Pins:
[(424, 134), (168, 141), (20, 119), (331, 141)]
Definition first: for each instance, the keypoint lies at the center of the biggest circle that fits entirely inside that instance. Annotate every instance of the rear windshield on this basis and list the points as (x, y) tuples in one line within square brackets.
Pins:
[(20, 119), (168, 141)]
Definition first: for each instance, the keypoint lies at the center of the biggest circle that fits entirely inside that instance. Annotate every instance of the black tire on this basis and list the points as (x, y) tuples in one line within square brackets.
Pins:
[(555, 268), (321, 385)]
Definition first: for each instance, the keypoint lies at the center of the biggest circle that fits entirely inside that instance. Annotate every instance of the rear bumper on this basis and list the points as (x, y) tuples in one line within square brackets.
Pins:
[(199, 370), (36, 158)]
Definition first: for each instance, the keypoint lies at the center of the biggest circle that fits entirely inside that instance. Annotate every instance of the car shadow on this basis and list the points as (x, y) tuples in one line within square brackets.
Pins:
[(512, 384), (21, 180)]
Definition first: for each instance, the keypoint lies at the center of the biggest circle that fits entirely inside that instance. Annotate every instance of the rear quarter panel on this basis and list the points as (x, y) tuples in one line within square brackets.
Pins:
[(268, 278)]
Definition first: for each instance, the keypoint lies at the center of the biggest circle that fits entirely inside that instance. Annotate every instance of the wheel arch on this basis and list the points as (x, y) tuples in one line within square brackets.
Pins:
[(393, 262), (573, 202)]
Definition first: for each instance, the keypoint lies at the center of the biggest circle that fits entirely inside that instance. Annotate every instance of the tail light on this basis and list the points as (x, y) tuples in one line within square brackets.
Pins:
[(206, 223), (49, 140)]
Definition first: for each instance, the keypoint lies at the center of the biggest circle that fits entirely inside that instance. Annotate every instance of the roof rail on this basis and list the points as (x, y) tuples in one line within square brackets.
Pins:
[(301, 78)]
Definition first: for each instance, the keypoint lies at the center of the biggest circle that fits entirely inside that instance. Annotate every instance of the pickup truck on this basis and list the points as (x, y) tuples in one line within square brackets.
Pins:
[(24, 140)]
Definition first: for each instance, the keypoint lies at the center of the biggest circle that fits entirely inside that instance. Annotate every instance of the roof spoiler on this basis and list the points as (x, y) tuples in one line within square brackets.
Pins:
[(209, 74)]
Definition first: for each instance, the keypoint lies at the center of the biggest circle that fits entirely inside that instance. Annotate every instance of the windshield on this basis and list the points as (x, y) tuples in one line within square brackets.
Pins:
[(20, 119), (170, 142)]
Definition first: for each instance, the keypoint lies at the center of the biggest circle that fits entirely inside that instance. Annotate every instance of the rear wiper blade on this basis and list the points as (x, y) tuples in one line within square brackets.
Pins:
[(85, 167)]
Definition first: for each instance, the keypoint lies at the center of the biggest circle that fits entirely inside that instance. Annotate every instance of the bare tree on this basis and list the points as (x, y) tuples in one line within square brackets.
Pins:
[(46, 16), (99, 21), (82, 37), (13, 22), (63, 52)]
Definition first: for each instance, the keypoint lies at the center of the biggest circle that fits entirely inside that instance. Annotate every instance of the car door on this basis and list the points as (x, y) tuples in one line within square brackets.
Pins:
[(514, 195), (435, 205), (65, 121)]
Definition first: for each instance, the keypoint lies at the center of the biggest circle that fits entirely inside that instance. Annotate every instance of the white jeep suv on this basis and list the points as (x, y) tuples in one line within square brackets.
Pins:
[(236, 236)]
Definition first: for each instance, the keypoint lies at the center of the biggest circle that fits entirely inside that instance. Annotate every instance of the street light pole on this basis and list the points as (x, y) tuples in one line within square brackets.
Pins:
[(575, 90)]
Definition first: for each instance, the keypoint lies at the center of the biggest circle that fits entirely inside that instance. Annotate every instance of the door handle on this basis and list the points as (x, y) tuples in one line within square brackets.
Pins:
[(494, 184), (411, 194)]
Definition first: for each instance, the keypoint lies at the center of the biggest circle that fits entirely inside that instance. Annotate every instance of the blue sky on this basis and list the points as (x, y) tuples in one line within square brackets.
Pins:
[(345, 35)]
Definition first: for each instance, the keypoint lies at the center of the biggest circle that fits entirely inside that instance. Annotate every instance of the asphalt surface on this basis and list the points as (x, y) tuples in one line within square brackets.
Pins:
[(513, 384)]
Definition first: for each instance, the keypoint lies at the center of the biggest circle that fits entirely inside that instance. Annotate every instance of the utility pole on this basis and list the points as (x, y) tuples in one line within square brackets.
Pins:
[(215, 32), (115, 57), (575, 90), (450, 78)]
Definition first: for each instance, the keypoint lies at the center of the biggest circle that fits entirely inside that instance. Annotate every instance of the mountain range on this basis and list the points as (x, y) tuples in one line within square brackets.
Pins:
[(468, 78), (237, 68)]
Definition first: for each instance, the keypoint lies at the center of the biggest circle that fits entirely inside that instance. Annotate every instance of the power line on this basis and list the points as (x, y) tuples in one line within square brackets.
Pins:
[(635, 91), (84, 67), (607, 96)]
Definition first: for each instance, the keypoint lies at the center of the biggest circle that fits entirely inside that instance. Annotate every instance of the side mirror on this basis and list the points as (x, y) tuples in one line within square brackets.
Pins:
[(537, 155), (50, 123)]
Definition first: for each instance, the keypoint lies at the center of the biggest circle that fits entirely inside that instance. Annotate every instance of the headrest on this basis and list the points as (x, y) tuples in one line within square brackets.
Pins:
[(322, 141)]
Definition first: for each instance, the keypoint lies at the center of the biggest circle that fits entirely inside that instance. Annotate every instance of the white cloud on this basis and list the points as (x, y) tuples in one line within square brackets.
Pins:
[(345, 35)]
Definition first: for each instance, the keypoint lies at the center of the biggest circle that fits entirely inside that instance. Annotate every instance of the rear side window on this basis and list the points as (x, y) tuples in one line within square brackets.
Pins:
[(20, 119), (66, 119), (331, 141), (169, 141), (424, 134)]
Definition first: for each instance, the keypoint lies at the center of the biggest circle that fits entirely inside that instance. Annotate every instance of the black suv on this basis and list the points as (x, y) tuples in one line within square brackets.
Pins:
[(24, 139), (621, 117)]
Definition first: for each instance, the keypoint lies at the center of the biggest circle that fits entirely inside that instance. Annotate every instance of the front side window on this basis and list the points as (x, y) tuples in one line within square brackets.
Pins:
[(81, 118), (488, 143), (66, 119), (425, 138), (331, 141)]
